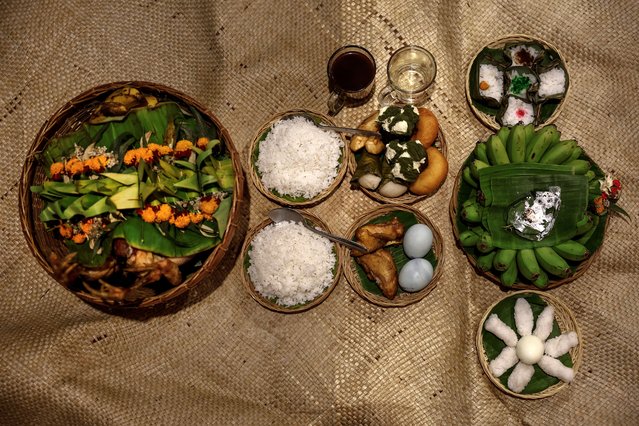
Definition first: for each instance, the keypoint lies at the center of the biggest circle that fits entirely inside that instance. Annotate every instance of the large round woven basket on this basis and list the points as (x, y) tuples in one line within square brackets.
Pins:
[(69, 118), (489, 120), (407, 198), (403, 298), (253, 154), (312, 220), (566, 321)]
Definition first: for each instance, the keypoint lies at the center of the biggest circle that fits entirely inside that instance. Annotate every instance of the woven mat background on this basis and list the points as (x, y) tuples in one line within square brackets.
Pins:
[(217, 357)]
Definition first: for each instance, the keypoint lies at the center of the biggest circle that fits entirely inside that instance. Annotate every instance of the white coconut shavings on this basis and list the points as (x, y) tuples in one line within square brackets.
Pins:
[(290, 263), (299, 159)]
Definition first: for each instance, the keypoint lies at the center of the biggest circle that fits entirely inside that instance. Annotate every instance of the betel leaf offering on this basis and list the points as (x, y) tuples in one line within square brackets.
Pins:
[(136, 193)]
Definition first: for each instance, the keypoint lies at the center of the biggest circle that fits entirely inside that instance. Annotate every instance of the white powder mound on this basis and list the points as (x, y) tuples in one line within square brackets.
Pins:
[(290, 263), (299, 159)]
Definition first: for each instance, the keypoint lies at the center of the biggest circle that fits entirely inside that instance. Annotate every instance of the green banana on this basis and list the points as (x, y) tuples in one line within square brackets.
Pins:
[(584, 224), (476, 166), (485, 261), (480, 152), (471, 213), (572, 250), (559, 152), (552, 262), (504, 133), (485, 243), (496, 151), (530, 132), (579, 167), (509, 276), (585, 237), (590, 174), (468, 238), (516, 145), (527, 264), (469, 201), (540, 142), (504, 258), (575, 154), (542, 280), (468, 177)]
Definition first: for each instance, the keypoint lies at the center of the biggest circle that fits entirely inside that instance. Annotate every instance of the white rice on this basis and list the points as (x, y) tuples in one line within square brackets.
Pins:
[(299, 159), (518, 112), (290, 263), (495, 79), (534, 53), (552, 82)]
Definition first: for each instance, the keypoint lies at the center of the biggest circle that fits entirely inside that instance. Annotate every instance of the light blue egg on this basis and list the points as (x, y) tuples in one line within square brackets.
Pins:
[(418, 241), (415, 275)]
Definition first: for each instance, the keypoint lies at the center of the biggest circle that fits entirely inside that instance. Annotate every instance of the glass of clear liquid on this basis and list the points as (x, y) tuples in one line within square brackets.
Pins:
[(411, 72)]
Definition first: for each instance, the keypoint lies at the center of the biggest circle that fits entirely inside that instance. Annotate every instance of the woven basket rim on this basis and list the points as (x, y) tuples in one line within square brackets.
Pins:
[(58, 120), (565, 319), (407, 198), (248, 284), (257, 182), (489, 120), (552, 283), (404, 298)]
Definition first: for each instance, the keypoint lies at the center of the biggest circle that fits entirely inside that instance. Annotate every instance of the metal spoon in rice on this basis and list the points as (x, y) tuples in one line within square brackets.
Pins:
[(283, 214)]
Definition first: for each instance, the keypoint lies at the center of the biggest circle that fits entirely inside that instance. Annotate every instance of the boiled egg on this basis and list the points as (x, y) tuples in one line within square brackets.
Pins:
[(418, 241), (530, 349), (415, 275)]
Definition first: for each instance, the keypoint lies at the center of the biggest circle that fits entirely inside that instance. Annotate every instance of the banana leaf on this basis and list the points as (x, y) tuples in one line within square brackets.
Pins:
[(493, 345), (91, 257), (221, 215), (492, 56), (408, 219)]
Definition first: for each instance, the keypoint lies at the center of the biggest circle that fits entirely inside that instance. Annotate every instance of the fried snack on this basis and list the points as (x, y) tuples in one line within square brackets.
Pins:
[(433, 176), (427, 128), (373, 144), (380, 267), (376, 236)]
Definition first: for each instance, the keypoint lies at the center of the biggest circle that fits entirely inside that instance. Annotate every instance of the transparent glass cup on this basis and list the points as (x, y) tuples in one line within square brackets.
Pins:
[(351, 77), (411, 72)]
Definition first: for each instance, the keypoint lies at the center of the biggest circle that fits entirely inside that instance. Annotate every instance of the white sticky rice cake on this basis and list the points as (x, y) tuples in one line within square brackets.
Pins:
[(493, 77), (552, 83), (517, 111), (523, 55)]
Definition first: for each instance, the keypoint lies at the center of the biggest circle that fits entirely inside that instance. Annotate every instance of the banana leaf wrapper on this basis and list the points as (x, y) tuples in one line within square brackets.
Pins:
[(524, 54), (487, 56), (521, 82), (367, 163)]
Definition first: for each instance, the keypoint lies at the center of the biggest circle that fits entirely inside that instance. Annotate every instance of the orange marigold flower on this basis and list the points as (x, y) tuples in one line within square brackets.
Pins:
[(132, 157), (202, 142), (86, 226), (97, 164), (196, 217), (600, 205), (165, 150), (160, 150), (65, 231), (56, 170), (146, 154), (79, 238), (183, 148), (164, 213), (148, 215), (74, 167), (209, 206), (182, 221)]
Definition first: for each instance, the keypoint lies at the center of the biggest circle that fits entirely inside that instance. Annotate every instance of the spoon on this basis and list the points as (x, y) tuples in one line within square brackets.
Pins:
[(283, 214), (350, 131)]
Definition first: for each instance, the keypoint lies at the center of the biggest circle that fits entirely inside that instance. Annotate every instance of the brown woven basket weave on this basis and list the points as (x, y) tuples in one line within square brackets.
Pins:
[(69, 118), (489, 120), (254, 149), (553, 283), (406, 198), (272, 305), (566, 321), (403, 298)]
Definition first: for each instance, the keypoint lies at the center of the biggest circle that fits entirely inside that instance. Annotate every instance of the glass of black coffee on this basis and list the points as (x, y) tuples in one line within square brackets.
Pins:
[(351, 77)]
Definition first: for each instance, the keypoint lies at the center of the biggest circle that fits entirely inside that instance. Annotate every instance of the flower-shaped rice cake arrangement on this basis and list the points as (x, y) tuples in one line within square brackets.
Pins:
[(531, 347)]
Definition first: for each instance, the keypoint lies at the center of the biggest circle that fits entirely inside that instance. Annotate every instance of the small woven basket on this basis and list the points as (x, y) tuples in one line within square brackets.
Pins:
[(254, 150), (406, 198), (402, 298), (566, 321), (489, 120), (552, 283), (269, 304), (69, 118)]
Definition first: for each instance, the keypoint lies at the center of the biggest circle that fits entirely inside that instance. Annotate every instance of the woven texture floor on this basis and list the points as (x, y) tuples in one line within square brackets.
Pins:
[(216, 356)]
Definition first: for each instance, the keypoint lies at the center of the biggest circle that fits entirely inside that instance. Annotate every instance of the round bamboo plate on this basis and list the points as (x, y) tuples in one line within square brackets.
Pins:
[(69, 118), (489, 120), (351, 268), (406, 198), (552, 283), (273, 195), (566, 321), (273, 305)]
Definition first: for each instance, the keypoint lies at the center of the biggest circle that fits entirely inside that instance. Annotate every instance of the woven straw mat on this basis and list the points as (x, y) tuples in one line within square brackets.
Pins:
[(218, 357)]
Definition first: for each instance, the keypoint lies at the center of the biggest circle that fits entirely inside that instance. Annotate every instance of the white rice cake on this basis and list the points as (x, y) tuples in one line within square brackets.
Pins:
[(552, 83), (517, 112), (491, 76)]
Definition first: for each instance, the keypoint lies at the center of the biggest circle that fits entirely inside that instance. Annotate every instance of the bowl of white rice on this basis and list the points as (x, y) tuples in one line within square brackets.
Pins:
[(288, 268), (295, 163)]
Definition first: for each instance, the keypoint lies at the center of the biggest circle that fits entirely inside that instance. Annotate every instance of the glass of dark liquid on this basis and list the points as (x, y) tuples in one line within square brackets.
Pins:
[(351, 77)]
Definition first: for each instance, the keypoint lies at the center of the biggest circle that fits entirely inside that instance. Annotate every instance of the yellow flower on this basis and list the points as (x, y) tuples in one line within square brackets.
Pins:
[(182, 221), (74, 167), (183, 148), (131, 158), (148, 215), (65, 231), (97, 164), (202, 142), (209, 206), (196, 217), (164, 213), (146, 154), (79, 238), (56, 170)]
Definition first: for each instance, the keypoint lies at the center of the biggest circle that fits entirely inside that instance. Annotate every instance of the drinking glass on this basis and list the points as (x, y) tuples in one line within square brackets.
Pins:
[(411, 71), (351, 77)]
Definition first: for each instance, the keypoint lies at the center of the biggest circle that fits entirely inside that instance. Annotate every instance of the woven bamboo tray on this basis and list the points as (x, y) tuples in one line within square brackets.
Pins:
[(402, 298), (489, 120), (553, 283), (270, 304), (566, 321), (406, 198), (69, 118), (254, 151)]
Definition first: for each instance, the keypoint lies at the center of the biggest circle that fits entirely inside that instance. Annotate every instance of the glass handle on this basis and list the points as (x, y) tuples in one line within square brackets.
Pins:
[(387, 96), (335, 103)]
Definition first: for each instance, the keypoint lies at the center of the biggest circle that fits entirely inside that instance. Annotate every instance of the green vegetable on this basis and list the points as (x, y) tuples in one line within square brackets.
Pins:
[(391, 118), (406, 159)]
